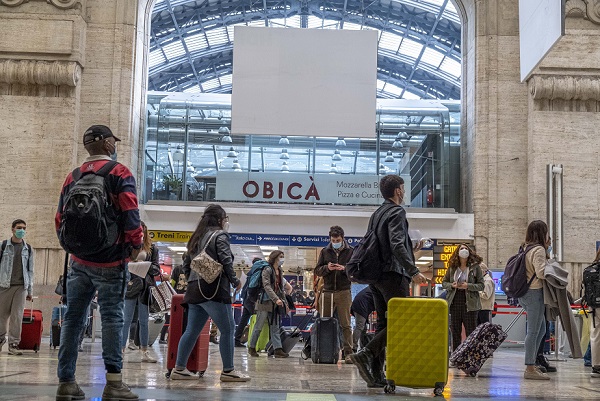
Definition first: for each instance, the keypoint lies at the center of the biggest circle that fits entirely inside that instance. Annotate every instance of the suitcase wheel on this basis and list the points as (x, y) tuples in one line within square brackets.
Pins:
[(36, 348), (439, 390), (201, 373), (168, 374), (390, 388)]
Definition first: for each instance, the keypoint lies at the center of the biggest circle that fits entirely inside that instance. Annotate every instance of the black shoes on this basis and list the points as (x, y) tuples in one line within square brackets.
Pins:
[(239, 344), (543, 364), (363, 361)]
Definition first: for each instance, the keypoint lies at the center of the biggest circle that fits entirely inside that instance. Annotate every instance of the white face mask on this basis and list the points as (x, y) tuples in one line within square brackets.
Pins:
[(281, 262), (463, 253), (226, 226)]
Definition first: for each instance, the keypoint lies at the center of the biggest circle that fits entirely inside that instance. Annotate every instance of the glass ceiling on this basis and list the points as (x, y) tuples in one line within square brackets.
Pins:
[(191, 44)]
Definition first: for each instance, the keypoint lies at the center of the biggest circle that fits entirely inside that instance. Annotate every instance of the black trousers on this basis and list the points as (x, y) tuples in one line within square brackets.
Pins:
[(390, 285), (484, 316), (459, 317), (244, 319)]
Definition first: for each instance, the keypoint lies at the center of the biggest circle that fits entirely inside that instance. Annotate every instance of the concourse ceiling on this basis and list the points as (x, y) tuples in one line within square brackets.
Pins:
[(419, 44)]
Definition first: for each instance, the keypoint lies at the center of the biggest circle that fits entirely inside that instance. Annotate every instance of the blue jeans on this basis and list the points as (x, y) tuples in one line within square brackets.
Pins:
[(143, 316), (198, 315), (261, 319), (82, 283), (587, 358), (533, 303)]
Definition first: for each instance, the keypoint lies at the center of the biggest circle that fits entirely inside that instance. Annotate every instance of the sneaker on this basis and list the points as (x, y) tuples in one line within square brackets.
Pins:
[(183, 375), (542, 361), (69, 391), (535, 375), (131, 345), (595, 371), (234, 376), (147, 358), (13, 349), (348, 360), (587, 364), (162, 341), (239, 344)]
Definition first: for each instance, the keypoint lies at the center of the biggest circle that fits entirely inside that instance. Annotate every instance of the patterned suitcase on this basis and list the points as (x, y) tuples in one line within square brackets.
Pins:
[(417, 344), (472, 353)]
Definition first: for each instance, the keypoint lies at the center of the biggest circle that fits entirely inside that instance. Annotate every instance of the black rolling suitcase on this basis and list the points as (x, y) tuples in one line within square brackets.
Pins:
[(325, 338), (58, 314), (289, 338)]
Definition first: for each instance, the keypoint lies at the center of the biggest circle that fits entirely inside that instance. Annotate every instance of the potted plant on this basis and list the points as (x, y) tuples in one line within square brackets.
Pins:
[(173, 184)]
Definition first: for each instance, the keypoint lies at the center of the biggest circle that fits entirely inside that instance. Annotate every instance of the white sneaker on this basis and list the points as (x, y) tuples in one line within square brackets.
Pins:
[(146, 357), (13, 349), (132, 345), (183, 375), (234, 376)]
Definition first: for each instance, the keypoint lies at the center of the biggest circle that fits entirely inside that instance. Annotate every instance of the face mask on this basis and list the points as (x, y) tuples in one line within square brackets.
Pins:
[(20, 233), (113, 156), (463, 253), (549, 250), (281, 262), (336, 245), (226, 226)]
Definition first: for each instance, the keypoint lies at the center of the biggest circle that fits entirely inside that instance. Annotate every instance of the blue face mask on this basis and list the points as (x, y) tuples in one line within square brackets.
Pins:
[(113, 155), (549, 250), (20, 233), (337, 245)]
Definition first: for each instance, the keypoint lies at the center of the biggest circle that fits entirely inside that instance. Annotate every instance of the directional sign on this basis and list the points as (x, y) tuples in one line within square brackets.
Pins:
[(243, 239)]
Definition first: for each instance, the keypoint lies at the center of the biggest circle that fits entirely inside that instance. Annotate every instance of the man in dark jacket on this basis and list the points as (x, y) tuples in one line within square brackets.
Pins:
[(396, 247), (362, 307), (331, 266)]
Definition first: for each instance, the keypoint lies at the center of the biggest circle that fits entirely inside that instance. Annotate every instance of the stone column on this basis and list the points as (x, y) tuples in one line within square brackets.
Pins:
[(494, 134), (564, 106)]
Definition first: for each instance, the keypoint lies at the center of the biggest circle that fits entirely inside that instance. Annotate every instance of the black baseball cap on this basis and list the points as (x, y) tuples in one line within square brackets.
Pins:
[(97, 133)]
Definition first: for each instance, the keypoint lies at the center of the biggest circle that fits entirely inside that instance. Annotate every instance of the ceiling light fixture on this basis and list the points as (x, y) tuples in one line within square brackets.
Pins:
[(236, 165), (340, 142), (231, 153), (337, 156), (389, 158), (382, 170), (226, 135), (334, 169), (284, 154), (285, 168), (178, 154), (284, 141)]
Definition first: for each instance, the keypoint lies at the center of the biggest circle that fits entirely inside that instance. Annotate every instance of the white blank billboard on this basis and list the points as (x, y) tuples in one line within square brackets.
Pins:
[(317, 82), (541, 24)]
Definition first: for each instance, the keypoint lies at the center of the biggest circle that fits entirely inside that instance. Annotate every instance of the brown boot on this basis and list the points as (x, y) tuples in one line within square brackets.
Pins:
[(252, 352), (280, 353)]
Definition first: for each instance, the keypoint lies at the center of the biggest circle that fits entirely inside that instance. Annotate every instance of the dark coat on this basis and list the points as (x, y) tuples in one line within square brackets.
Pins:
[(334, 280), (395, 243), (154, 270), (220, 250)]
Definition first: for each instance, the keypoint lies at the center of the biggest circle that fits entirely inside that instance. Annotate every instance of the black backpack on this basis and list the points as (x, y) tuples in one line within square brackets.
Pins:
[(591, 286), (514, 281), (366, 263), (89, 221)]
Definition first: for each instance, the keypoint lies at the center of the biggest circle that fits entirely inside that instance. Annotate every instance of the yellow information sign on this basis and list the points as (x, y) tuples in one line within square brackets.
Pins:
[(170, 236)]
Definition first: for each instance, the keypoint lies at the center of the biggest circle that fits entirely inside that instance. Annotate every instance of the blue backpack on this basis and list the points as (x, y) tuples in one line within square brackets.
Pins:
[(254, 281)]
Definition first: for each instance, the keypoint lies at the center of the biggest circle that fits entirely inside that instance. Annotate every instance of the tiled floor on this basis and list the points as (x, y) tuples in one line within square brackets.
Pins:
[(33, 377)]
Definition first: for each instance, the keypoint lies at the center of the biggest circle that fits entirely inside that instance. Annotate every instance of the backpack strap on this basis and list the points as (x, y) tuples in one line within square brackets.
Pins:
[(102, 172), (380, 217)]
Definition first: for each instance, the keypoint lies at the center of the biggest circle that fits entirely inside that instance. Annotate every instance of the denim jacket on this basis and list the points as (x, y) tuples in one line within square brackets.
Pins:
[(6, 266)]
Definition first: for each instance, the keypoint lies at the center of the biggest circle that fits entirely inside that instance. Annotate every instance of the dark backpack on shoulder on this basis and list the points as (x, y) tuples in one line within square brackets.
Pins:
[(366, 263), (591, 286), (89, 221), (514, 281)]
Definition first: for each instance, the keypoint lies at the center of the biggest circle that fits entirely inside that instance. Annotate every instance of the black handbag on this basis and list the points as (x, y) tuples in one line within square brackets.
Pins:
[(59, 286), (135, 286)]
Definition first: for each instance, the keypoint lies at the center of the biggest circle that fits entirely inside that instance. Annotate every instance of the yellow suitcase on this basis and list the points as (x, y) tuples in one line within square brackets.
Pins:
[(263, 339), (417, 344)]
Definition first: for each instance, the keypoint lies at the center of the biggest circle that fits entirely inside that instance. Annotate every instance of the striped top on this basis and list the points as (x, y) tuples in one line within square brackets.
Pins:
[(123, 195)]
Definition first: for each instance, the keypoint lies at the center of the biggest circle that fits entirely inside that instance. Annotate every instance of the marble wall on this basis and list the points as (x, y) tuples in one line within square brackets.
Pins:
[(67, 64)]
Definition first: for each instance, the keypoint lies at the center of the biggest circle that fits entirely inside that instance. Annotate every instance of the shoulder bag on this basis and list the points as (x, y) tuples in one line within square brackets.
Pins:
[(207, 268)]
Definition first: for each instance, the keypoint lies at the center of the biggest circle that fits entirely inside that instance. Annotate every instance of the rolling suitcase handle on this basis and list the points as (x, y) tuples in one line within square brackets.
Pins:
[(322, 303), (29, 319), (514, 320)]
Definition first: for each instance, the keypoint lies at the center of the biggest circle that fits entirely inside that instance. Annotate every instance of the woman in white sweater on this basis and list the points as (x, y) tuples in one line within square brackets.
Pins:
[(487, 296)]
